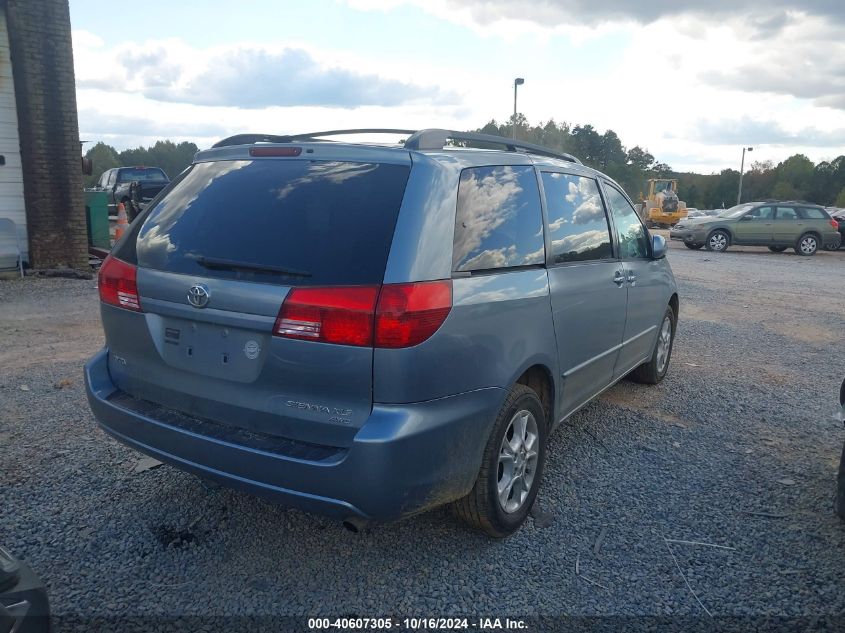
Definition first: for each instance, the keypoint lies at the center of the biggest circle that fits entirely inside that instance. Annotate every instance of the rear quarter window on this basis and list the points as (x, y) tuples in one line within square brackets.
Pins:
[(499, 223), (332, 222), (808, 213)]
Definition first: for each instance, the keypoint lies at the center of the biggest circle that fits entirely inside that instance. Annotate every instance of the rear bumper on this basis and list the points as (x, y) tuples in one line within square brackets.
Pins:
[(404, 459)]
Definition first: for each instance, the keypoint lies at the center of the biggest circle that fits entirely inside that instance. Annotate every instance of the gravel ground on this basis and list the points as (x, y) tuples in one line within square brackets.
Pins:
[(736, 447)]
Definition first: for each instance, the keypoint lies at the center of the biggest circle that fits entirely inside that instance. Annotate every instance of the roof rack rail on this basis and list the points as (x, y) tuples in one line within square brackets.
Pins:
[(248, 139), (437, 139), (429, 139)]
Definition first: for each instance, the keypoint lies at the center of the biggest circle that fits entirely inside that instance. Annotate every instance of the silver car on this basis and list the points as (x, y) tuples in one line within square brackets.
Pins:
[(369, 331)]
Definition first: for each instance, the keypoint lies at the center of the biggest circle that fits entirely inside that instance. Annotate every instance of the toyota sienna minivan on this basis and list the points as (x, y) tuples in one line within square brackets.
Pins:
[(369, 331)]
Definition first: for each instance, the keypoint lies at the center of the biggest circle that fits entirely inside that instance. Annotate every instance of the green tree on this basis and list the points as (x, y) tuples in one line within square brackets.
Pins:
[(171, 157), (102, 157), (587, 145), (640, 158), (691, 196), (785, 191), (840, 199), (795, 175)]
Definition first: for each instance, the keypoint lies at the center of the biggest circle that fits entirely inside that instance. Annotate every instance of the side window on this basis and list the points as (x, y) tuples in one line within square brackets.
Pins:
[(761, 213), (787, 213), (809, 213), (112, 176), (633, 239), (499, 223), (578, 228)]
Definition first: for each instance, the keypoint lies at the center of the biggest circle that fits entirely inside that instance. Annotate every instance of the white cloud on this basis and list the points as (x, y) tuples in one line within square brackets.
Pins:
[(678, 68), (245, 76)]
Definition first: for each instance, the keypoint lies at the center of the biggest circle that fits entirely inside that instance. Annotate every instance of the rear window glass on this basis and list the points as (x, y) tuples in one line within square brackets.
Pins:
[(278, 221), (499, 223), (140, 173)]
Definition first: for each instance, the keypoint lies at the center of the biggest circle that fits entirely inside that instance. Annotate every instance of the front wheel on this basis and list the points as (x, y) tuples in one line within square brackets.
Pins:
[(807, 245), (655, 370), (693, 247), (777, 249), (511, 468), (718, 241)]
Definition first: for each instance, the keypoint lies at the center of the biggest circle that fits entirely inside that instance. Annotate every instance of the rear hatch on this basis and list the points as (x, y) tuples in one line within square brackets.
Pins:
[(218, 255)]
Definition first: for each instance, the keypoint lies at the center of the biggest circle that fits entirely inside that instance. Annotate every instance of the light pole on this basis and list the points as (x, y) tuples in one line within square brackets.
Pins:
[(741, 170), (516, 82)]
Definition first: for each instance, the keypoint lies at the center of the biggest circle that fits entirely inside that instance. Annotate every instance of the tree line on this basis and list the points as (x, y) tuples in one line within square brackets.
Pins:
[(796, 178), (172, 157)]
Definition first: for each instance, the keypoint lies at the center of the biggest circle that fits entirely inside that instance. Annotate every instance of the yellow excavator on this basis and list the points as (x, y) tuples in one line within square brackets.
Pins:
[(661, 208)]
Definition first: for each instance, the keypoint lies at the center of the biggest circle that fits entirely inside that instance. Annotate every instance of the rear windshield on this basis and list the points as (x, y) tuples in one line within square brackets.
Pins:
[(279, 221), (140, 173)]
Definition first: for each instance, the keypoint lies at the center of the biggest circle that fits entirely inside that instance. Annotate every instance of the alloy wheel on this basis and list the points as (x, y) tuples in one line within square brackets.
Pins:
[(808, 245), (664, 344), (518, 457), (718, 242)]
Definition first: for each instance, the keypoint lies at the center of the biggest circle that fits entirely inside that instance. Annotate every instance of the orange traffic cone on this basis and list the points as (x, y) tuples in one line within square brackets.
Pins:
[(122, 222)]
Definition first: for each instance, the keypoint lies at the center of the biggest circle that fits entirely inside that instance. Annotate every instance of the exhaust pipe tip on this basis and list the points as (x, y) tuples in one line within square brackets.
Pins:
[(355, 524)]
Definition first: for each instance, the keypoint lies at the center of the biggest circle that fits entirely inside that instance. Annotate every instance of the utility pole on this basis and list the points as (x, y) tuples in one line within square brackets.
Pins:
[(741, 170), (516, 82)]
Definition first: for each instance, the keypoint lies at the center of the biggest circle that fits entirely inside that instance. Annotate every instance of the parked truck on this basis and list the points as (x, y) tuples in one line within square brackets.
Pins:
[(133, 186)]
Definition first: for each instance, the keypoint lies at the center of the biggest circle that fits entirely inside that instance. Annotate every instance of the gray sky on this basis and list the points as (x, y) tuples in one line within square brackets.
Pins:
[(690, 80)]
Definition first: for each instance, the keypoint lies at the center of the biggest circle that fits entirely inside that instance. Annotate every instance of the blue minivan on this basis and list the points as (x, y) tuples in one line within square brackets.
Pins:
[(368, 331)]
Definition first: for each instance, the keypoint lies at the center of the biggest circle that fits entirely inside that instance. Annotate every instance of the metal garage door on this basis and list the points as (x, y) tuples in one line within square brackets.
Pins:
[(11, 173)]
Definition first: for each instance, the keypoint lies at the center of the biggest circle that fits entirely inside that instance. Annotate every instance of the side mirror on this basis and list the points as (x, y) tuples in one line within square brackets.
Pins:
[(658, 247), (746, 218)]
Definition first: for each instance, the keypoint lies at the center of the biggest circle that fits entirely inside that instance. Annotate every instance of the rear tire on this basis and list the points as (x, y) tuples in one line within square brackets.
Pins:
[(513, 462), (718, 241), (777, 249), (839, 504), (693, 247), (807, 245), (655, 370)]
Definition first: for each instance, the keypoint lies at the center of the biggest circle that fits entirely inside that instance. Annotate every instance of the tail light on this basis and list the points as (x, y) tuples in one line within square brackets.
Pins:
[(117, 282), (342, 315), (408, 314), (389, 316), (834, 224)]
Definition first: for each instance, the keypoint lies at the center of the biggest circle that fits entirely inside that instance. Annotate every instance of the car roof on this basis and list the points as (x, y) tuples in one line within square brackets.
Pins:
[(434, 144), (802, 203)]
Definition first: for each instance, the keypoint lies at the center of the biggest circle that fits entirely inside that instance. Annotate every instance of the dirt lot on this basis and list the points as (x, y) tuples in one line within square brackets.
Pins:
[(736, 448)]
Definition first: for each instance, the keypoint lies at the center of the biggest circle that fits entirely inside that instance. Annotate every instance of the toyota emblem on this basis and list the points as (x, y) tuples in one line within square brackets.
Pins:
[(198, 295)]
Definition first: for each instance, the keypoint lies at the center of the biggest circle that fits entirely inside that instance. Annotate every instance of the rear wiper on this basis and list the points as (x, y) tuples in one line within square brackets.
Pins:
[(230, 264)]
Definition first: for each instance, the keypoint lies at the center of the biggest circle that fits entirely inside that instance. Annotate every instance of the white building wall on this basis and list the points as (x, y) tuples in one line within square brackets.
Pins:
[(11, 173)]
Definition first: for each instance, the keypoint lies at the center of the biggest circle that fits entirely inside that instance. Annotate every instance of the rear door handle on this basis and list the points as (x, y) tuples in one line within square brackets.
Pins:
[(619, 278)]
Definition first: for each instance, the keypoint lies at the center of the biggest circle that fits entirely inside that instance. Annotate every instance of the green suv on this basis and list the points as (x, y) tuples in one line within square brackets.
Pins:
[(778, 225)]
